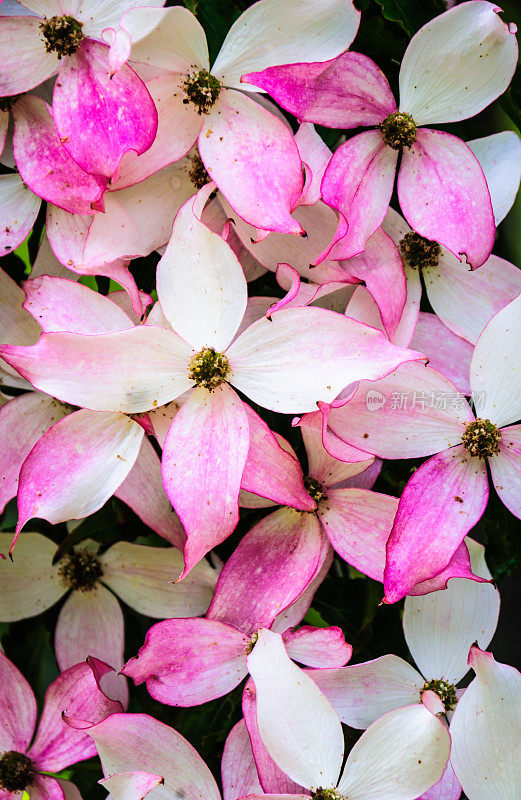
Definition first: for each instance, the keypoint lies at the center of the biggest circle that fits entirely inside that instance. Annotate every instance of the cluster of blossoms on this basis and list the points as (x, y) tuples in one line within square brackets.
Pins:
[(173, 402)]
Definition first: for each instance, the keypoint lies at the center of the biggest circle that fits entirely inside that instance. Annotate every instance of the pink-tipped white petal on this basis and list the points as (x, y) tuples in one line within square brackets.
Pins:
[(485, 731), (500, 159), (505, 468), (77, 465), (494, 376), (440, 186), (268, 368), (358, 183), (440, 627), (238, 769), (297, 724), (19, 708), (276, 32), (281, 553), (457, 64), (200, 283), (203, 460), (143, 577), (413, 748), (254, 160), (129, 371), (91, 624), (448, 353), (441, 502), (30, 582), (186, 662), (362, 693)]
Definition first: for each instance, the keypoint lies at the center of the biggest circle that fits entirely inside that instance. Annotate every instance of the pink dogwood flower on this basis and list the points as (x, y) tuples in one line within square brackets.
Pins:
[(99, 116), (401, 755), (202, 291), (449, 492), (91, 621), (453, 68), (248, 151), (25, 763)]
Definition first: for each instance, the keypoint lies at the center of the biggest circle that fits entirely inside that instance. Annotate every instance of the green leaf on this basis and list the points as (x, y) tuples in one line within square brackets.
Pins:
[(411, 14), (191, 5), (315, 618)]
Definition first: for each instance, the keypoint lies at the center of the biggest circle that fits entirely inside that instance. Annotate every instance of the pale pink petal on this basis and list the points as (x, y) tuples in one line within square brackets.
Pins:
[(401, 416), (44, 163), (124, 230), (271, 777), (75, 693), (358, 523), (485, 731), (362, 693), (413, 748), (494, 377), (276, 31), (477, 52), (448, 353), (18, 209), (315, 154), (238, 769), (322, 466), (131, 785), (130, 742), (500, 159), (203, 460), (449, 285), (63, 305), (346, 92), (70, 791), (447, 495), (359, 183), (440, 627), (448, 788), (16, 325), (143, 491), (133, 370), (254, 160), (44, 787), (218, 215), (318, 647), (270, 470), (96, 134), (77, 465), (297, 724), (505, 468), (200, 282), (30, 582), (186, 662), (178, 126), (440, 186), (47, 264), (281, 554), (18, 708), (143, 577), (23, 420), (24, 62), (169, 38), (91, 624), (380, 268), (458, 567), (268, 368)]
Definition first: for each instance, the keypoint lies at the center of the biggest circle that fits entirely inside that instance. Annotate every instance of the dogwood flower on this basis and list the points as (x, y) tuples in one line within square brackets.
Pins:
[(448, 494), (202, 291), (248, 151), (91, 620), (401, 755), (454, 67), (25, 762)]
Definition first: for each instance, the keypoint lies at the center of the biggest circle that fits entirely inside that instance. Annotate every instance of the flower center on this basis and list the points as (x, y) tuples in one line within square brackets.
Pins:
[(16, 771), (201, 89), (445, 691), (63, 35), (418, 252), (326, 794), (481, 438), (208, 368), (81, 571), (197, 172), (314, 489), (398, 130), (253, 642)]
